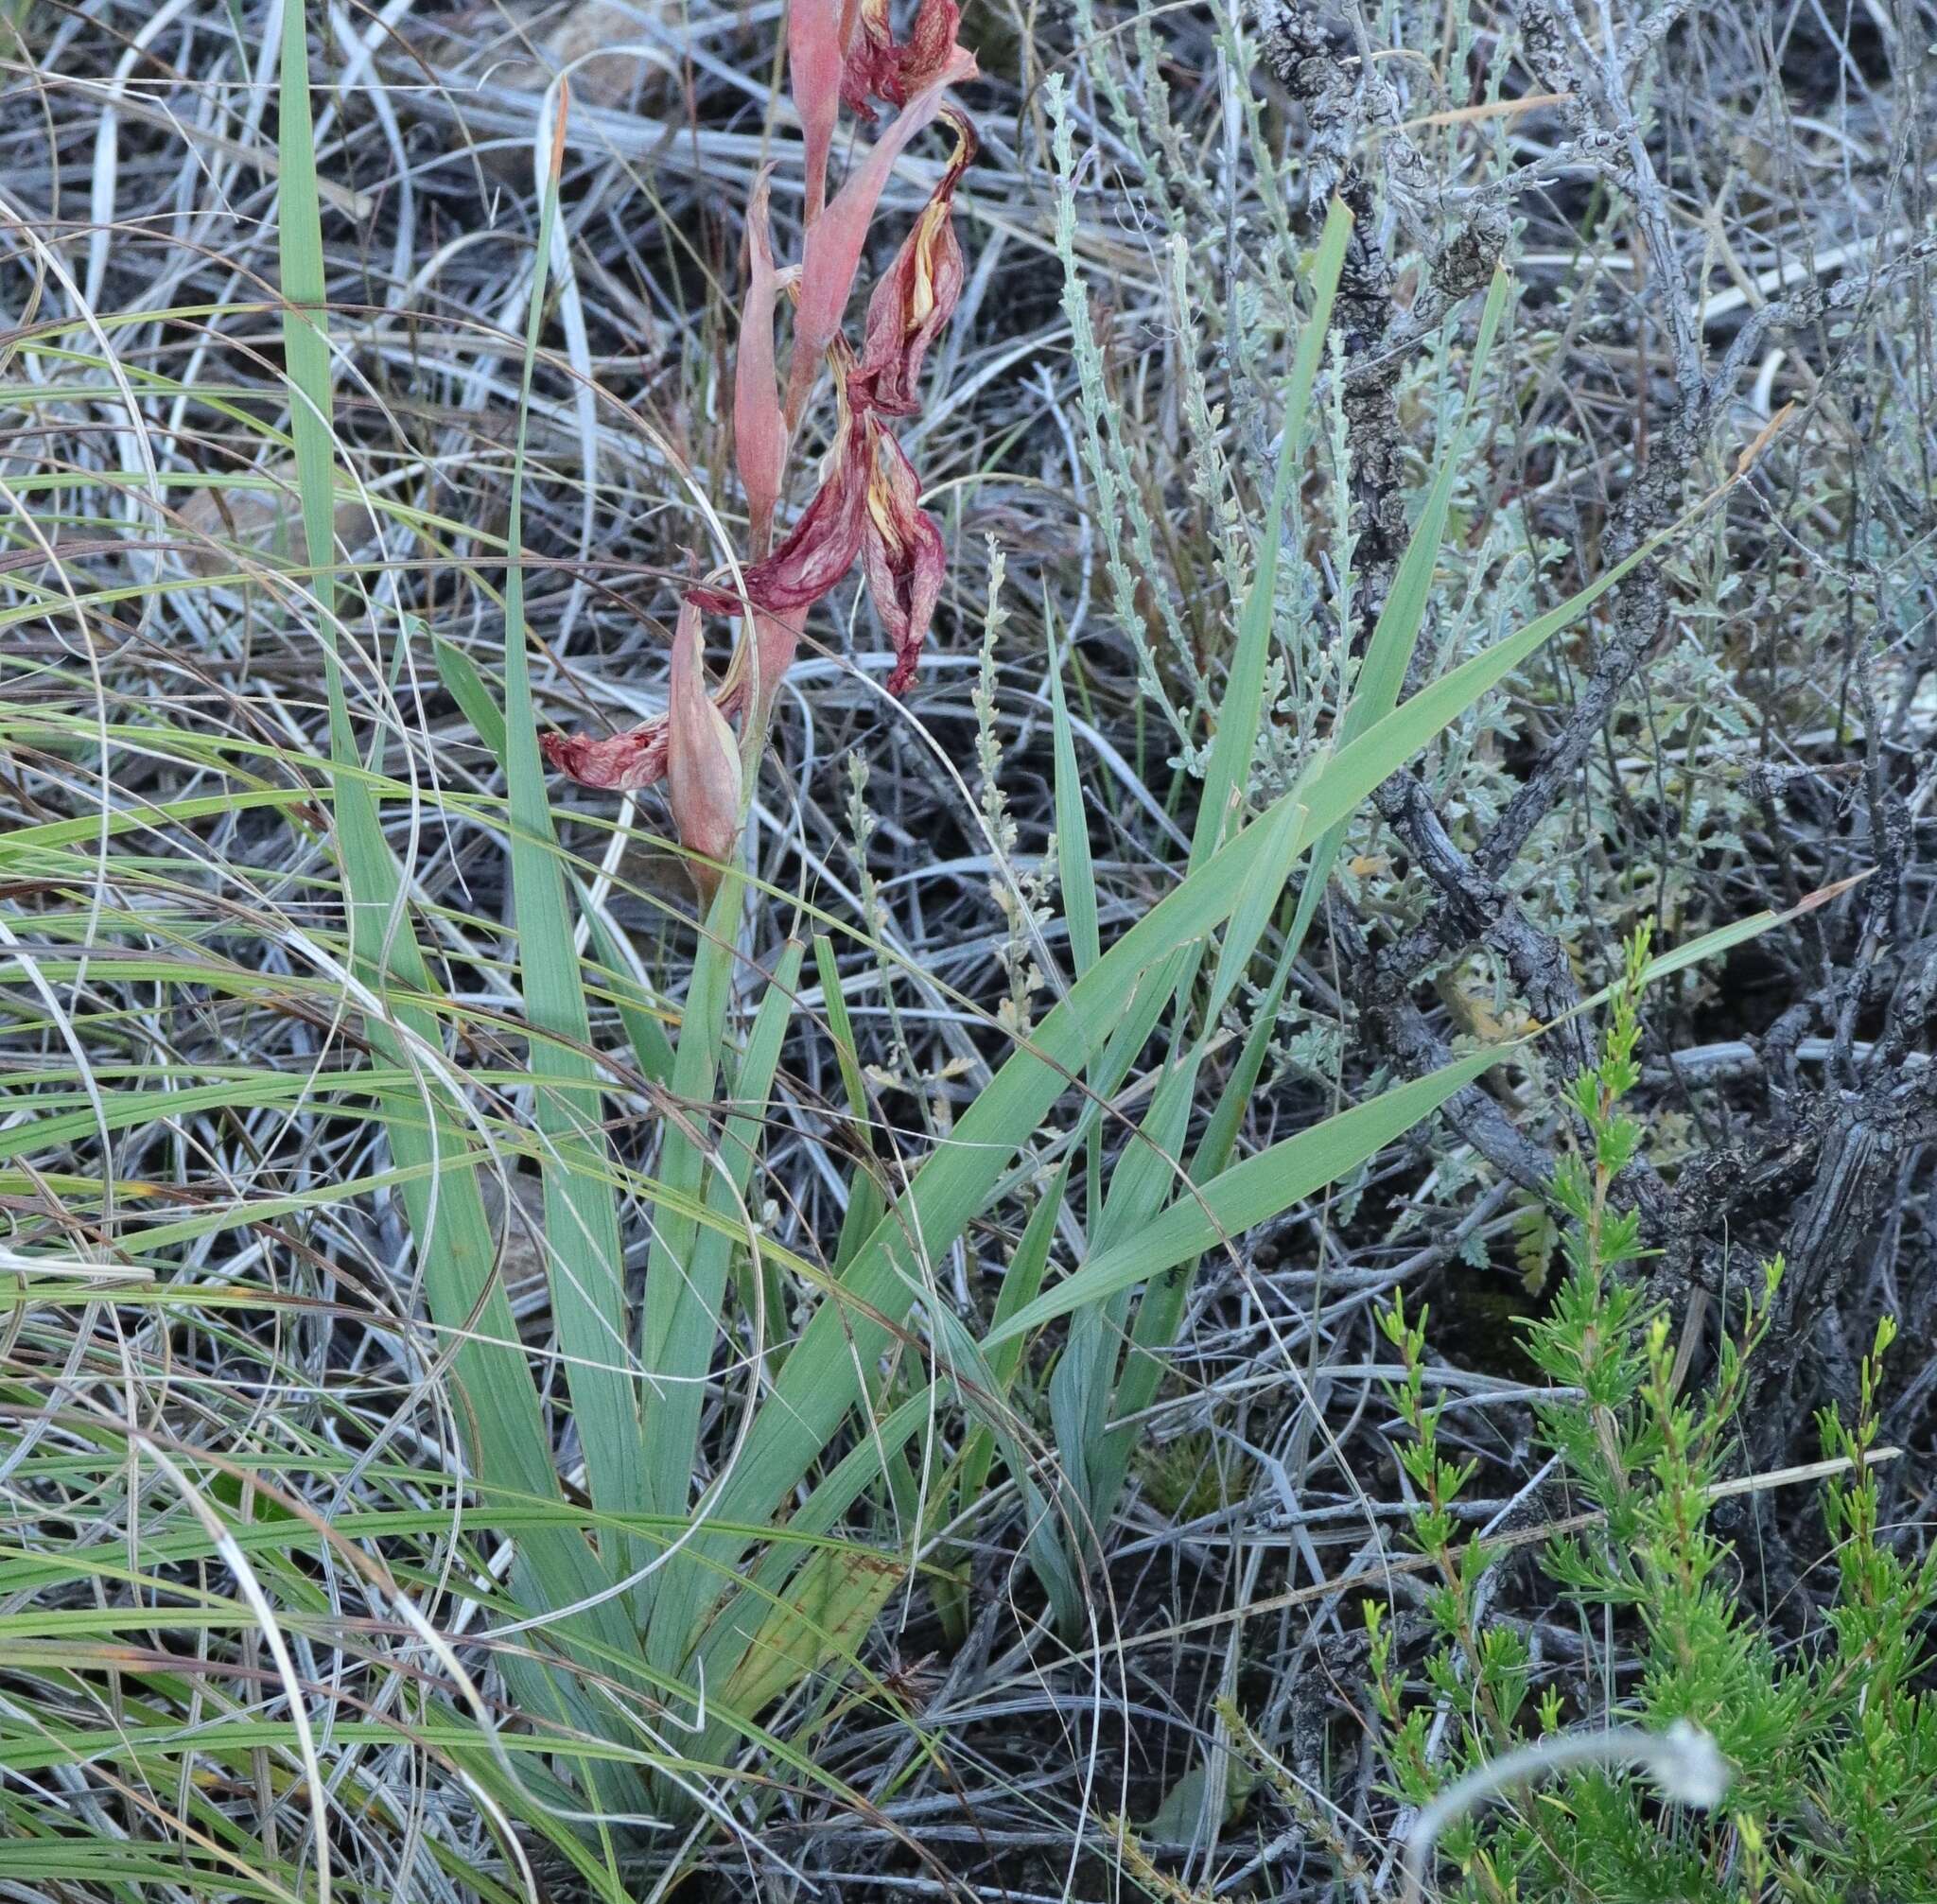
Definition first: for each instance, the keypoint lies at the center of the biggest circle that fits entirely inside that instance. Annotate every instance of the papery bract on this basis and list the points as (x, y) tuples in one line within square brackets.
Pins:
[(917, 294), (702, 757), (833, 253), (760, 433), (903, 554), (816, 47)]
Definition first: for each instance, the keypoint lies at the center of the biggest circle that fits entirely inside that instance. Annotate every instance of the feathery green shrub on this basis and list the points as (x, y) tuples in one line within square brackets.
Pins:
[(1831, 1743)]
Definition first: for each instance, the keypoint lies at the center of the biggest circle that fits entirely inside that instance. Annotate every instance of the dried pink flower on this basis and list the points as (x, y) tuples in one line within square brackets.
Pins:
[(640, 756), (868, 506), (916, 298), (903, 554)]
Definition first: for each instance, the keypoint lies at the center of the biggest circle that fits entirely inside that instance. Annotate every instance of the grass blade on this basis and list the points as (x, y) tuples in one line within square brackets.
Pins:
[(584, 1250), (1252, 1193), (501, 1420), (682, 1314), (817, 1386)]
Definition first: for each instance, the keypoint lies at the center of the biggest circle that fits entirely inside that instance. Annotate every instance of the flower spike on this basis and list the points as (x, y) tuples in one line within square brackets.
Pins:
[(868, 505)]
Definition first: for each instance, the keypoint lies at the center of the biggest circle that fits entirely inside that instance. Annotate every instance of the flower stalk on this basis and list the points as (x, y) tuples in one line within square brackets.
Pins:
[(865, 508)]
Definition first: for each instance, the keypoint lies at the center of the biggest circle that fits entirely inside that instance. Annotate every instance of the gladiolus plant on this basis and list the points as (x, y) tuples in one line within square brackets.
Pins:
[(866, 506)]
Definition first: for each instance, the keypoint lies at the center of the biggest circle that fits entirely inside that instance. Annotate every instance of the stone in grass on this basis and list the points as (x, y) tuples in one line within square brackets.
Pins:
[(582, 39), (228, 528)]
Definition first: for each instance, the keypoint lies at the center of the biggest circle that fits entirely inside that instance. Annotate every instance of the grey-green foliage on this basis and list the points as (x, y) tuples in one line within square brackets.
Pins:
[(1178, 510), (1179, 451), (1832, 1743)]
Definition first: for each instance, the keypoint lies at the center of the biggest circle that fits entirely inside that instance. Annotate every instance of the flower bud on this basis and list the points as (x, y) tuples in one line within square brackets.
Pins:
[(702, 759)]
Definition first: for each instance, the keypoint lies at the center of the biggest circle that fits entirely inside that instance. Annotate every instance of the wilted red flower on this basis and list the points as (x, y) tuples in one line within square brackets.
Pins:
[(821, 547), (901, 554), (868, 506), (833, 252), (916, 298), (878, 67), (616, 762)]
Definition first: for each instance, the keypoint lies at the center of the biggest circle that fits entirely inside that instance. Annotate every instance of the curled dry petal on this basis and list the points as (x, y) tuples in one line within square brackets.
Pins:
[(930, 47), (816, 44), (901, 554), (833, 253), (879, 67), (820, 548), (702, 757), (759, 433), (872, 42), (616, 762), (868, 505), (916, 298)]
